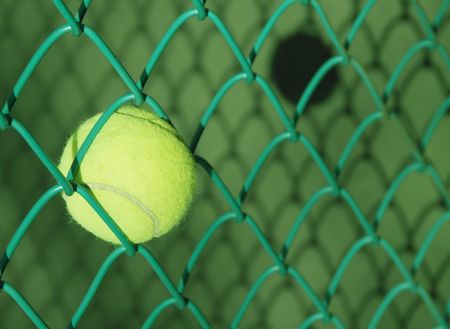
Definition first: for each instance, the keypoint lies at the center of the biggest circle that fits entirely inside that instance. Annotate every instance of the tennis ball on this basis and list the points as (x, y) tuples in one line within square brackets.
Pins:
[(138, 169)]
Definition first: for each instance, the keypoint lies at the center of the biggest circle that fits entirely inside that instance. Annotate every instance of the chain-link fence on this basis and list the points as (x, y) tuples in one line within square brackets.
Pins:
[(321, 131)]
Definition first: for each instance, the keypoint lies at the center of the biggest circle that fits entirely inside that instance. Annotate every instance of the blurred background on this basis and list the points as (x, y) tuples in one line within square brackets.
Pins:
[(57, 260)]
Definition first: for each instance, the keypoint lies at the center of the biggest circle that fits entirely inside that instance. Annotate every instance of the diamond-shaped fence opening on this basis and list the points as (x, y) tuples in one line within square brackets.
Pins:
[(321, 133)]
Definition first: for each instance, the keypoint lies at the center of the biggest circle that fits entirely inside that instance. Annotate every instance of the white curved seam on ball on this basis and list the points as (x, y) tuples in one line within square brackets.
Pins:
[(137, 202)]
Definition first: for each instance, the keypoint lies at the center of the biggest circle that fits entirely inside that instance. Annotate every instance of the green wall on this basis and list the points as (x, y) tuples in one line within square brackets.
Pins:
[(56, 261)]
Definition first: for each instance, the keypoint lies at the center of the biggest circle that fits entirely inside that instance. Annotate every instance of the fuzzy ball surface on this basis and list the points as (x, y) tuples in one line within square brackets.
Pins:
[(138, 169)]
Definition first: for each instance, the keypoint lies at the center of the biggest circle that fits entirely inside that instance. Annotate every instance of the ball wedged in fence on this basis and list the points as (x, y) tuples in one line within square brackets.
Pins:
[(138, 169)]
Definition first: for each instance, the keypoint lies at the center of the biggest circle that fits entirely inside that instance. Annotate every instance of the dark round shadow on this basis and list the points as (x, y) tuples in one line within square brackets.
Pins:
[(296, 59)]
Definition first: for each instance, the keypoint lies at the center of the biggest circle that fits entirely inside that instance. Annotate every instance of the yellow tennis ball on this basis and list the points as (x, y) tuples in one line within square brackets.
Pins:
[(138, 169)]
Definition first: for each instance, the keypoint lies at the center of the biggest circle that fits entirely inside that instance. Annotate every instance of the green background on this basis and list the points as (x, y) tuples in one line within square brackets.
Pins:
[(57, 260)]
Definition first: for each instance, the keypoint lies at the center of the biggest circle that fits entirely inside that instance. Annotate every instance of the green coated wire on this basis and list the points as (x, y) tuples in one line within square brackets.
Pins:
[(354, 139), (235, 214), (221, 186), (18, 298), (25, 225), (289, 125), (32, 64), (393, 293), (114, 61), (367, 83), (40, 153), (401, 177), (314, 83), (103, 270), (265, 244), (435, 229), (265, 32), (153, 317), (217, 224), (83, 149), (441, 13), (92, 201), (345, 262), (328, 28), (319, 161), (358, 22), (410, 54), (180, 301), (200, 6), (310, 321), (213, 106), (3, 122), (424, 21), (65, 12), (260, 163), (251, 294), (434, 122), (163, 43), (82, 10), (246, 67), (293, 232)]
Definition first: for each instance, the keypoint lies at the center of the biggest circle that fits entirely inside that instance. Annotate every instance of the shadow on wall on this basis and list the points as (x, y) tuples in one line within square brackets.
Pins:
[(295, 60)]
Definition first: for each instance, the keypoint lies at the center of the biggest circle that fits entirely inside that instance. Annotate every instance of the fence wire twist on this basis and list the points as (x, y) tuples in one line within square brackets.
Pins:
[(418, 164)]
